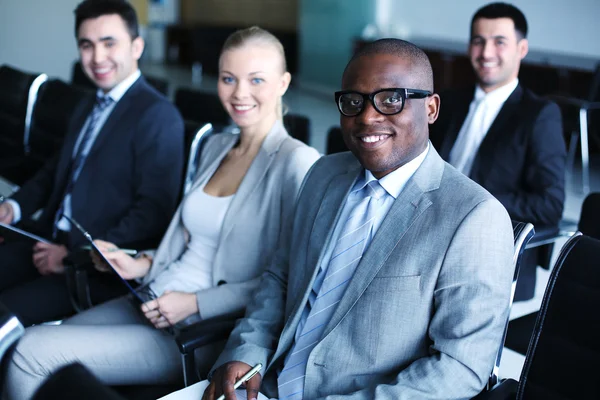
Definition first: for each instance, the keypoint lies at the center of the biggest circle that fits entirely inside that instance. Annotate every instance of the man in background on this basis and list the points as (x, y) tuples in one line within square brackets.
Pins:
[(118, 173), (502, 135)]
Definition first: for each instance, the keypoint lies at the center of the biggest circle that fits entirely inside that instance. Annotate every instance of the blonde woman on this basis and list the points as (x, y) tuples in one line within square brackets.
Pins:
[(222, 236)]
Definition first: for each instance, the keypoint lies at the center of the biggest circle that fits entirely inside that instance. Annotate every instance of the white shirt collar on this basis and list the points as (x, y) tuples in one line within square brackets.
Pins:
[(394, 182), (119, 91), (499, 95)]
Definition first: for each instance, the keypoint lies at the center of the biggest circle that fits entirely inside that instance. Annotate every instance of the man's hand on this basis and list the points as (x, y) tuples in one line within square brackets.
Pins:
[(224, 378), (127, 266), (170, 308), (6, 213), (48, 258)]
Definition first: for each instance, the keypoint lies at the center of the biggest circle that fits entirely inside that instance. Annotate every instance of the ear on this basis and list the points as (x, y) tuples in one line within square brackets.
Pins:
[(137, 47), (433, 108), (286, 78), (523, 47)]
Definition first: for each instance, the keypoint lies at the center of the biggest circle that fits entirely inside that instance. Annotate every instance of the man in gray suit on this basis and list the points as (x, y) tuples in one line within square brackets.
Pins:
[(393, 279)]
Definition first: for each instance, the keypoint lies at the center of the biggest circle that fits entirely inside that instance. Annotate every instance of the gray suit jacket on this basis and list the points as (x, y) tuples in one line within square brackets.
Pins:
[(252, 224), (423, 316)]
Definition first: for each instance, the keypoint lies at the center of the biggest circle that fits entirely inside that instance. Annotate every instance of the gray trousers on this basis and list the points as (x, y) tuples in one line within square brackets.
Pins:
[(113, 340)]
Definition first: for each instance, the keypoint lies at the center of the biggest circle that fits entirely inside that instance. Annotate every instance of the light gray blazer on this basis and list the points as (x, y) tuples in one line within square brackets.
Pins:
[(252, 224), (422, 317)]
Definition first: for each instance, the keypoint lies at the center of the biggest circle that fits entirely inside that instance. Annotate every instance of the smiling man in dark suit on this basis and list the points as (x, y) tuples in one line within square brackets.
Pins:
[(118, 172), (502, 135)]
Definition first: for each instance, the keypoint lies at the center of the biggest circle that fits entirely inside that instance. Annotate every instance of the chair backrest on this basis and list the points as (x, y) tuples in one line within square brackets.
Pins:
[(79, 78), (18, 93), (522, 233), (594, 93), (562, 358), (589, 219), (11, 331), (200, 107), (193, 156), (55, 105), (298, 126), (159, 84), (335, 141)]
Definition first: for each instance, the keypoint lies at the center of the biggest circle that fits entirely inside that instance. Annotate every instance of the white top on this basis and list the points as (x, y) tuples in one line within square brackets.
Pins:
[(482, 112), (202, 216)]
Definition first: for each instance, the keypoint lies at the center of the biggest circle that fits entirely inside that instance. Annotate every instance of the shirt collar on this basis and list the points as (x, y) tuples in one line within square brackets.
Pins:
[(119, 91), (499, 95), (394, 182)]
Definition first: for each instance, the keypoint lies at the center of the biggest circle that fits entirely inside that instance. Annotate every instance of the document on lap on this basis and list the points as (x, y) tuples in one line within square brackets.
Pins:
[(195, 392), (9, 231)]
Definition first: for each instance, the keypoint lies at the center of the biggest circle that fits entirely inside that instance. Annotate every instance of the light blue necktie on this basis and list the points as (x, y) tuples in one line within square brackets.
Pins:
[(345, 257)]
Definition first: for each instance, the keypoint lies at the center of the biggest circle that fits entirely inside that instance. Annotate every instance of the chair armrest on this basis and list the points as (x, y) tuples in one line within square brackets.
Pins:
[(77, 264), (206, 332), (505, 390), (571, 101)]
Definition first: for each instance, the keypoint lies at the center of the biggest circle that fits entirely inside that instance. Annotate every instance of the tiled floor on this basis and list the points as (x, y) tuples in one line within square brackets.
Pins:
[(320, 108)]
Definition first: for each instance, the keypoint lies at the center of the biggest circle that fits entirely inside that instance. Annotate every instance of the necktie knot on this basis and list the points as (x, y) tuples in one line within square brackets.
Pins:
[(375, 190), (103, 101)]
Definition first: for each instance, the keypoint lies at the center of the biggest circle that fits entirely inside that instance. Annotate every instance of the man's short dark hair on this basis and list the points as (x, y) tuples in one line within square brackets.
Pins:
[(402, 49), (90, 9), (503, 10)]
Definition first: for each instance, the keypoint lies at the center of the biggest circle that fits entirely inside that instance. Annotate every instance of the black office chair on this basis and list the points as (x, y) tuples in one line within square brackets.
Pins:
[(298, 126), (18, 93), (56, 101), (522, 233), (520, 329), (11, 331), (335, 141), (561, 361), (201, 107), (576, 121)]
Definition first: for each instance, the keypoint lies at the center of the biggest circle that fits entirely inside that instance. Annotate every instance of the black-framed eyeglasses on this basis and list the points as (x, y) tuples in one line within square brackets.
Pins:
[(387, 101)]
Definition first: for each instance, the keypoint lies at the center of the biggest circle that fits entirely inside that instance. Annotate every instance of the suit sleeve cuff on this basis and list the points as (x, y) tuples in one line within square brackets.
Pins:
[(16, 210)]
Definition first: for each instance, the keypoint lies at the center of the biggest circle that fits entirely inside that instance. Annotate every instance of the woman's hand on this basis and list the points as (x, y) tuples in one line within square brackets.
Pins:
[(127, 266), (170, 308)]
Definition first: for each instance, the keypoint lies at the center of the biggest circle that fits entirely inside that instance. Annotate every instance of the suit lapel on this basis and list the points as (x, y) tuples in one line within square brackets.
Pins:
[(408, 206), (323, 226), (459, 112), (62, 171), (254, 176), (498, 128)]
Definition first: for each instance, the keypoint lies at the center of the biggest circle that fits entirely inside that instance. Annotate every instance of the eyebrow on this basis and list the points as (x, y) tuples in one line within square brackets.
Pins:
[(492, 37), (102, 39), (251, 73)]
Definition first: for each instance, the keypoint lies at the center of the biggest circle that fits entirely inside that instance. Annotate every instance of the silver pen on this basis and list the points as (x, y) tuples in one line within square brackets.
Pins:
[(244, 378)]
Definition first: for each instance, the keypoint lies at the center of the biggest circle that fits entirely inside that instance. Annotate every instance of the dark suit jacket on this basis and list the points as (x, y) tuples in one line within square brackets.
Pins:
[(129, 185), (521, 161)]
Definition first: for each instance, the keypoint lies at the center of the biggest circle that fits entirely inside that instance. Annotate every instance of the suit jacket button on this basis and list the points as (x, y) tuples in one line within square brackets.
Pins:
[(221, 282)]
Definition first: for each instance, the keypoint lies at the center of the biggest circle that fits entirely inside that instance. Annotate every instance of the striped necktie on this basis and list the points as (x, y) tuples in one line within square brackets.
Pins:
[(346, 255), (80, 155)]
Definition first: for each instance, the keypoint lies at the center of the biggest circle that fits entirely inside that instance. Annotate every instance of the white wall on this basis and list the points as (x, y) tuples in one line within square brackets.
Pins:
[(561, 26), (37, 35)]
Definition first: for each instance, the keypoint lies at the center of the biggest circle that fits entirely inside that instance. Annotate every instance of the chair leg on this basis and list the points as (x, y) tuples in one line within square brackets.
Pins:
[(190, 375), (585, 160), (572, 149)]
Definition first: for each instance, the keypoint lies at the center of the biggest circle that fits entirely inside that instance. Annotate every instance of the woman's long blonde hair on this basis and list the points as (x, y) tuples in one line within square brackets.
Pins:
[(257, 35)]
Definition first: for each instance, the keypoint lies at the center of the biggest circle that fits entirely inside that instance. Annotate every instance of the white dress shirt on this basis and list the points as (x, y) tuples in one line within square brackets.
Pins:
[(482, 112), (115, 94)]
